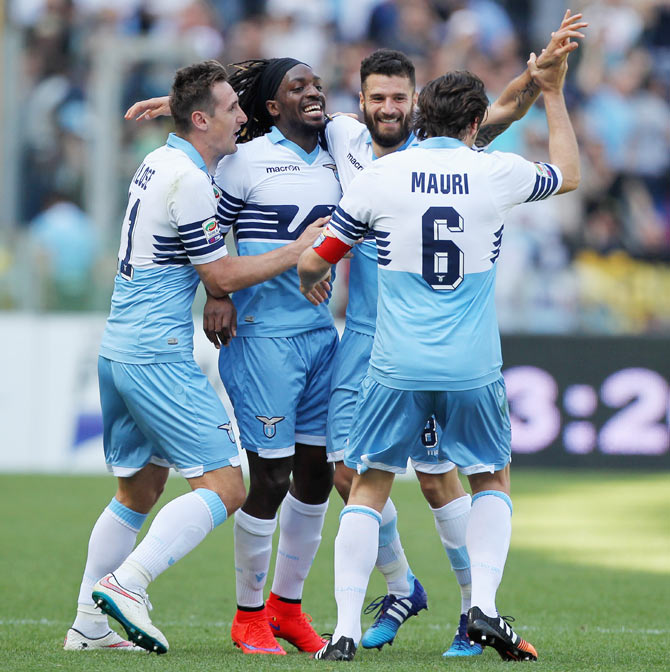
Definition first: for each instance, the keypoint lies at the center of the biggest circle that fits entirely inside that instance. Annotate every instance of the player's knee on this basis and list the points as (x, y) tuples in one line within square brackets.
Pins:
[(433, 494), (342, 480), (158, 489), (313, 486), (233, 497), (268, 489)]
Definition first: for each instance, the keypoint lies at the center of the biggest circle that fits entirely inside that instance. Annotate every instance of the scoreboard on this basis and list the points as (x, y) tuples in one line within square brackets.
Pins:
[(589, 401)]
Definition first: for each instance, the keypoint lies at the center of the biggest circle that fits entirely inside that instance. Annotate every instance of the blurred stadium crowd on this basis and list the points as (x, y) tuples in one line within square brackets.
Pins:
[(596, 260)]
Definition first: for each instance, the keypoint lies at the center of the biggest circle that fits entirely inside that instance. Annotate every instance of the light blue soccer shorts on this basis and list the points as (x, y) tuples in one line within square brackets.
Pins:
[(166, 414), (476, 427), (349, 369), (279, 389)]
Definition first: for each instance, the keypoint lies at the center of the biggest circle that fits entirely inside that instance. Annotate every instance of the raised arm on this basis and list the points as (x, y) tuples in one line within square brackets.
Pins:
[(563, 149), (522, 91)]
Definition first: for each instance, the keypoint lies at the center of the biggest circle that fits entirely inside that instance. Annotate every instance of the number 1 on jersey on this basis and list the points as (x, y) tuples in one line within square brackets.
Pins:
[(443, 263), (125, 267)]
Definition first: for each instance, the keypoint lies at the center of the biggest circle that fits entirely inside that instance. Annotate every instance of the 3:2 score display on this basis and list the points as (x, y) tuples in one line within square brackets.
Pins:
[(627, 414)]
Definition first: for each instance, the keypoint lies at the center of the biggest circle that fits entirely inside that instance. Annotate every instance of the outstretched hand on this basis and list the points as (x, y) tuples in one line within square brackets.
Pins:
[(144, 110)]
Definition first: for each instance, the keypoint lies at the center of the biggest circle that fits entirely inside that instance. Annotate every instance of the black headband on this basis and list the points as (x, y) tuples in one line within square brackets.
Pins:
[(272, 77)]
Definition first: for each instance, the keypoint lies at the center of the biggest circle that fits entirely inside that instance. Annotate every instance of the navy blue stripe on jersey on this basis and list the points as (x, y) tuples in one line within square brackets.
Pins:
[(252, 214), (269, 223), (171, 260), (185, 230), (229, 198), (545, 185), (195, 243), (383, 255), (200, 247), (228, 208), (495, 252), (167, 249), (349, 227), (173, 247)]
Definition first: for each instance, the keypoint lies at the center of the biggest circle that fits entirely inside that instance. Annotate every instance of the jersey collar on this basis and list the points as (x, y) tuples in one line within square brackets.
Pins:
[(441, 143), (411, 139), (176, 142), (276, 137)]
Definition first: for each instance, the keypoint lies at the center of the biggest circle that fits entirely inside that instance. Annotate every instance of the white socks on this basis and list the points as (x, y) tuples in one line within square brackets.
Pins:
[(391, 560), (253, 549), (300, 528), (488, 538), (355, 550), (177, 529), (112, 539), (451, 522)]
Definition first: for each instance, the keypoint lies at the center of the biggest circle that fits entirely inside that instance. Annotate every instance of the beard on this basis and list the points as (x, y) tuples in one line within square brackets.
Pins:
[(387, 139)]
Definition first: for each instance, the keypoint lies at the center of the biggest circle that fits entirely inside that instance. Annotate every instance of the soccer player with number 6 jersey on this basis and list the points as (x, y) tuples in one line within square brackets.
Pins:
[(387, 100), (437, 212)]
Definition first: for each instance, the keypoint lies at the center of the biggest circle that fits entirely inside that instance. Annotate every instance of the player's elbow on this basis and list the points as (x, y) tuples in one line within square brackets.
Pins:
[(225, 277), (571, 179)]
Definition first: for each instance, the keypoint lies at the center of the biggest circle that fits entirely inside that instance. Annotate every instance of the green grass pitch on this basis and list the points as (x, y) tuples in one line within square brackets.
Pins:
[(587, 578)]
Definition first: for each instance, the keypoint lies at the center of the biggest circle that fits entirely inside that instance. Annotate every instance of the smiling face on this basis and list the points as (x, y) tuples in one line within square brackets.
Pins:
[(387, 102), (299, 103)]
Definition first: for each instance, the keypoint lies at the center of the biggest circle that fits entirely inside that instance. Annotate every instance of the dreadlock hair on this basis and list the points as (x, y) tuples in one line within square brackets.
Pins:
[(192, 90), (256, 81), (448, 105)]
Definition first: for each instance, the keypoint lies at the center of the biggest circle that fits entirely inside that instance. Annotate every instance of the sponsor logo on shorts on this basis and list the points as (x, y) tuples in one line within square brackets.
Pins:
[(270, 425)]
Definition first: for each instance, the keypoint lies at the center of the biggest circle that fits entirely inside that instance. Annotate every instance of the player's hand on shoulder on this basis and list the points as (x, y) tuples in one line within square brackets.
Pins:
[(312, 232), (149, 109), (219, 320)]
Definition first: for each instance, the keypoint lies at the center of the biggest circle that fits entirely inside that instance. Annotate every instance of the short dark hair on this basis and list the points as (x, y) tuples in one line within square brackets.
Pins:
[(447, 105), (387, 62), (192, 90)]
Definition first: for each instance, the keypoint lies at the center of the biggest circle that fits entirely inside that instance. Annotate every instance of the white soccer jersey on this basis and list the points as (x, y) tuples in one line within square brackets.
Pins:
[(271, 190), (350, 144), (437, 213), (170, 223)]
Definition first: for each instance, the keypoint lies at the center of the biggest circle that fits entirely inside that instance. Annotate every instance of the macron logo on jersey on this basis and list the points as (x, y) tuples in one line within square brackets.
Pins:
[(283, 169), (355, 162)]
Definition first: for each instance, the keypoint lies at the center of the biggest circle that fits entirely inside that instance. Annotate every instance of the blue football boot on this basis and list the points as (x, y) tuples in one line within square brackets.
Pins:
[(461, 645), (392, 612)]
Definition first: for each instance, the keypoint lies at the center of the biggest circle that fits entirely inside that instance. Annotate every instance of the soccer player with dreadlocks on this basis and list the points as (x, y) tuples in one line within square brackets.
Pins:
[(277, 370)]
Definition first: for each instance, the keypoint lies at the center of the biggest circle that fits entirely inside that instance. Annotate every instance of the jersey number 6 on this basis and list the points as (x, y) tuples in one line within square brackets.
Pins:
[(442, 266)]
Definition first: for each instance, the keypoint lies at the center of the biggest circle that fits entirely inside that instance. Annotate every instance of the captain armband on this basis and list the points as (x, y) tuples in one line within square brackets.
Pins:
[(330, 248)]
